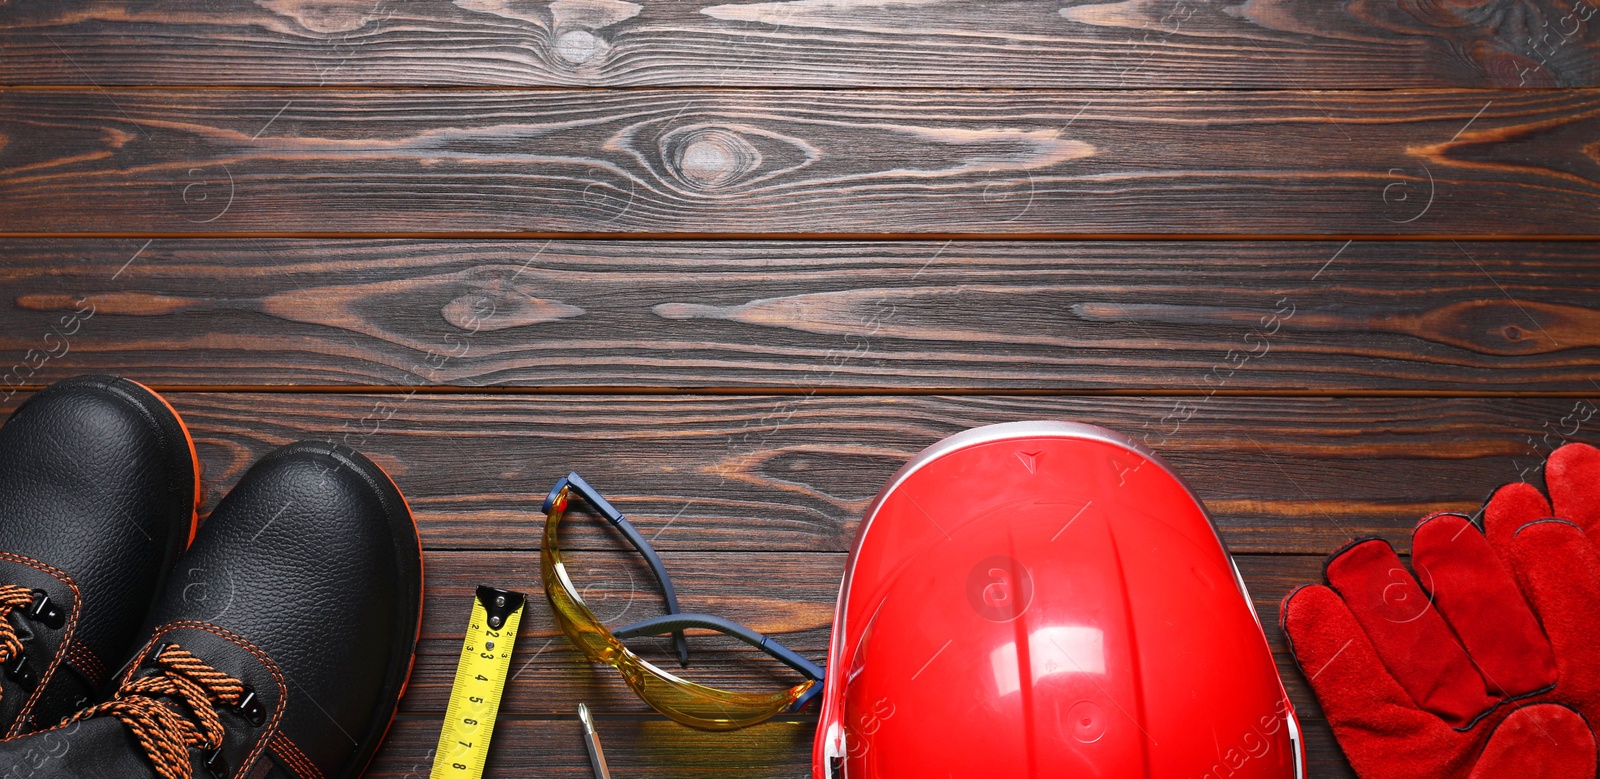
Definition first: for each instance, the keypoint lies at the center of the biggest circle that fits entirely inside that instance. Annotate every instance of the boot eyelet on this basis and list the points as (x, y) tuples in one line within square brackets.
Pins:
[(45, 611), (217, 764), (18, 670), (251, 707)]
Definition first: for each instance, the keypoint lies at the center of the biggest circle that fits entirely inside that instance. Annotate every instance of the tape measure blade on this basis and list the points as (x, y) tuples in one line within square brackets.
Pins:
[(475, 695)]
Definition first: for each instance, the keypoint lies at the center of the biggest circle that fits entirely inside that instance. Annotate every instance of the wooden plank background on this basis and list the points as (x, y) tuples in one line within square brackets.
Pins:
[(736, 262), (802, 163), (1184, 44), (891, 316)]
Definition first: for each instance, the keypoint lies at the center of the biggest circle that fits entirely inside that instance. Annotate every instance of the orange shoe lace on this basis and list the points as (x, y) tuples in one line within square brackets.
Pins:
[(172, 710)]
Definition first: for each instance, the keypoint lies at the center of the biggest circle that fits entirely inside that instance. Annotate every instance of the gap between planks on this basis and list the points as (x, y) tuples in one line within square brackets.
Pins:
[(734, 88), (486, 235), (759, 391)]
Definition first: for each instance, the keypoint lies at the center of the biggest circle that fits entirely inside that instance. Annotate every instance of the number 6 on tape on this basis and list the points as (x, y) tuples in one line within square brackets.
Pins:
[(480, 678)]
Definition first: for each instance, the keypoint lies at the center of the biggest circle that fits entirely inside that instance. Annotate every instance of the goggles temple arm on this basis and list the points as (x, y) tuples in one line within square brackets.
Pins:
[(621, 523), (672, 623)]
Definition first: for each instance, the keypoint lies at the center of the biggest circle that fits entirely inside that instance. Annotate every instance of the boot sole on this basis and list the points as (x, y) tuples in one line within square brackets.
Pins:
[(411, 660), (194, 459)]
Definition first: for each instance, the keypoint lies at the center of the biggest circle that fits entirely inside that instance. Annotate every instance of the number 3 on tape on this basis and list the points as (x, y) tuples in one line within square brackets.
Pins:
[(480, 678)]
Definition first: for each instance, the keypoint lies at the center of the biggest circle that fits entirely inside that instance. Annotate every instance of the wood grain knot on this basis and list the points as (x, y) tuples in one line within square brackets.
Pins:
[(1510, 69), (707, 158), (574, 25), (1506, 326), (490, 299), (576, 47), (485, 311), (327, 18)]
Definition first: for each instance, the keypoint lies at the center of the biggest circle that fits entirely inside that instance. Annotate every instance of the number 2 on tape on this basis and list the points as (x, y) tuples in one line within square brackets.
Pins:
[(480, 679)]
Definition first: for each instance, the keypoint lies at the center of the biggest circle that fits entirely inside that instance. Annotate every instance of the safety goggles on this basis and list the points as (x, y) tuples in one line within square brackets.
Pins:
[(692, 704)]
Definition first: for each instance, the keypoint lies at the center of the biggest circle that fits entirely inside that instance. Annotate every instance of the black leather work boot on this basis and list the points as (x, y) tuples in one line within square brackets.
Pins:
[(278, 650), (98, 489)]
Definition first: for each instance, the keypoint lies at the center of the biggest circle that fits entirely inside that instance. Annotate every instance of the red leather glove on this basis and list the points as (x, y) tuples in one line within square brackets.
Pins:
[(1482, 665), (1553, 549)]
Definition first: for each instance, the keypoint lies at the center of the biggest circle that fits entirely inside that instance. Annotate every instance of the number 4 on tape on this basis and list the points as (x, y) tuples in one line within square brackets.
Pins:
[(480, 678)]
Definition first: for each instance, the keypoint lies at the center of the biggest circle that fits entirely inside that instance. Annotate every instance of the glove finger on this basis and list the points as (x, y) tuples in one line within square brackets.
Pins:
[(1572, 475), (1416, 645), (1475, 593), (1509, 508), (1374, 718), (1548, 741), (1556, 564)]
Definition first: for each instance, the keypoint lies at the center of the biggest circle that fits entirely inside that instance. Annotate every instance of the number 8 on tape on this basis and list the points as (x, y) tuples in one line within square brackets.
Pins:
[(480, 679)]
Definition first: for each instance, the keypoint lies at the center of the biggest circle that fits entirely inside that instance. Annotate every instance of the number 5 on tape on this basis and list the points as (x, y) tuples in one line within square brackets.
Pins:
[(480, 678)]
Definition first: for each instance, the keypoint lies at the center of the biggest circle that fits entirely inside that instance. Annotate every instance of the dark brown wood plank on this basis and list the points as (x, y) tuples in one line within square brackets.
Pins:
[(634, 748), (1281, 475), (808, 163), (1075, 44), (1195, 317), (657, 748)]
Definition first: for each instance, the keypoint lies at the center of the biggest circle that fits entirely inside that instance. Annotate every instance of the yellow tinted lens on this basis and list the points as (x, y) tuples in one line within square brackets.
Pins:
[(700, 706), (575, 619), (689, 703)]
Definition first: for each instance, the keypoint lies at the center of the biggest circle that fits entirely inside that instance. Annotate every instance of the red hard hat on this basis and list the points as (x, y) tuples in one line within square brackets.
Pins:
[(1047, 599)]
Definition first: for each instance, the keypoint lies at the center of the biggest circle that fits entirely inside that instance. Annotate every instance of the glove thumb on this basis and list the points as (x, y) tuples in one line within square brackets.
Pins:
[(1544, 740)]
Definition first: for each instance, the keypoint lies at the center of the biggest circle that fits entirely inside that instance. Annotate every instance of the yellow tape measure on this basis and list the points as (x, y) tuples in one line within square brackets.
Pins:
[(480, 678)]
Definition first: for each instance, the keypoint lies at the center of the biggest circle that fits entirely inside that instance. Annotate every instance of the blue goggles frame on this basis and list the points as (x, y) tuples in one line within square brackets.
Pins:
[(675, 621)]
